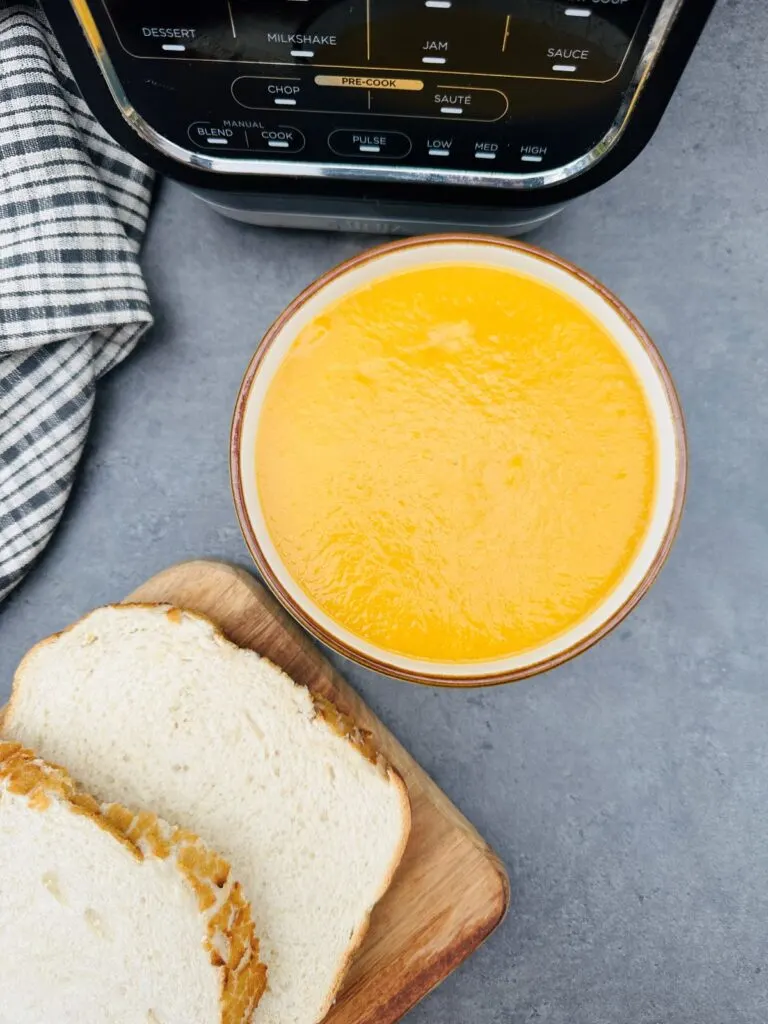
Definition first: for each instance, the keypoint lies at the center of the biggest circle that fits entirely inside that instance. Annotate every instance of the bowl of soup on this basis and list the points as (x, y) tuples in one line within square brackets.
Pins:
[(458, 460)]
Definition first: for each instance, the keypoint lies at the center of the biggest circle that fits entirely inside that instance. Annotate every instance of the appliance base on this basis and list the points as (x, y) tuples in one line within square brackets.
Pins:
[(371, 216)]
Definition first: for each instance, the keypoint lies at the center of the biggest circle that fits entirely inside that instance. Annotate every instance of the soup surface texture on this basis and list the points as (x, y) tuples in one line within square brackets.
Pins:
[(456, 463)]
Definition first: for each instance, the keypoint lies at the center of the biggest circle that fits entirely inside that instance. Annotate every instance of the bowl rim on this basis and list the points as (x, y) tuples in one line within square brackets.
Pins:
[(470, 678)]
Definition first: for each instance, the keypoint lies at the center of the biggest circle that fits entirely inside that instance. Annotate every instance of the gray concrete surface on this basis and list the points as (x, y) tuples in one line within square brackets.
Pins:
[(627, 792)]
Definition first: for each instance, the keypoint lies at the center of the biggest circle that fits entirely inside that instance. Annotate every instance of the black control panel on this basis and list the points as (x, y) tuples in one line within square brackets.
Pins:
[(521, 86)]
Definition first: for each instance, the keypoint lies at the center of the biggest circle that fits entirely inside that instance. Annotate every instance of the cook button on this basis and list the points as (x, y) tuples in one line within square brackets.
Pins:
[(281, 138), (348, 142)]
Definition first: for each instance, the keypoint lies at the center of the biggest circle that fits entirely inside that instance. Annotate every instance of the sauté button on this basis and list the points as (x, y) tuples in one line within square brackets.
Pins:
[(350, 142)]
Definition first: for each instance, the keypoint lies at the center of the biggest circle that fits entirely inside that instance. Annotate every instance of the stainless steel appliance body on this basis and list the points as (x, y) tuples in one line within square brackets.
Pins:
[(381, 115)]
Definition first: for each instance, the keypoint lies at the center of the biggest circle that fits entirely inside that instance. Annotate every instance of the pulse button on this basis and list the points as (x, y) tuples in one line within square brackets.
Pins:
[(348, 142)]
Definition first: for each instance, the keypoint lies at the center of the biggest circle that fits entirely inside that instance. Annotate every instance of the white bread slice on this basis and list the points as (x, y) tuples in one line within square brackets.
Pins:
[(109, 917), (155, 707)]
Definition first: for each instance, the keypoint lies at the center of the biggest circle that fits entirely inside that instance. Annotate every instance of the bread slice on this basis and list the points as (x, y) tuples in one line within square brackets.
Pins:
[(108, 916), (154, 706)]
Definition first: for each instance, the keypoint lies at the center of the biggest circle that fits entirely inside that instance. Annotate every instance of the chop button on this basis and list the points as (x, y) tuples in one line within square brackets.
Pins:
[(367, 143)]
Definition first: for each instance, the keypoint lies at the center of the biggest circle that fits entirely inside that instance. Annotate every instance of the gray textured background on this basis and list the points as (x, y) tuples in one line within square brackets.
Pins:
[(627, 792)]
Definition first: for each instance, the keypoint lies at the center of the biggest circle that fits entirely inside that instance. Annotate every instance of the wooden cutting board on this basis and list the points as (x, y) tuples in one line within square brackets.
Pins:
[(450, 890)]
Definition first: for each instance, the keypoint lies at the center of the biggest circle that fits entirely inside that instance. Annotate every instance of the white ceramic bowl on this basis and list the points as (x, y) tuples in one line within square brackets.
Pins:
[(545, 267)]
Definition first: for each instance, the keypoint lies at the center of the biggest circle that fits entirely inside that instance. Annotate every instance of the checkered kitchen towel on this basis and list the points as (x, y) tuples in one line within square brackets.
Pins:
[(73, 209)]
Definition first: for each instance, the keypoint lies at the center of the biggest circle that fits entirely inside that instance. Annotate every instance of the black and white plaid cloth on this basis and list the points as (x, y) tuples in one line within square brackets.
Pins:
[(73, 209)]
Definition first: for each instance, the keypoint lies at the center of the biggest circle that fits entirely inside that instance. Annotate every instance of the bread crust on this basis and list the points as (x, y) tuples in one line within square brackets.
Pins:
[(325, 710), (230, 941)]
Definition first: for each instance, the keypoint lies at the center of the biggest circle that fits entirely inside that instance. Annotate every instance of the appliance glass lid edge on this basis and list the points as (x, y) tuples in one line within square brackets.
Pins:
[(240, 166)]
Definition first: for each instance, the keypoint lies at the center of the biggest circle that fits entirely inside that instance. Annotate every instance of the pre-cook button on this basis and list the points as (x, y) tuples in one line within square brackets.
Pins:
[(281, 138), (349, 142)]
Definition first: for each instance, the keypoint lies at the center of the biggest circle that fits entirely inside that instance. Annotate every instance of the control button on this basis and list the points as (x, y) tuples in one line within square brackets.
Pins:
[(530, 153), (349, 142), (173, 28), (558, 46), (467, 104), (439, 147), (218, 135), (428, 36), (486, 150), (281, 138), (262, 92), (266, 92), (449, 102), (625, 15), (321, 32)]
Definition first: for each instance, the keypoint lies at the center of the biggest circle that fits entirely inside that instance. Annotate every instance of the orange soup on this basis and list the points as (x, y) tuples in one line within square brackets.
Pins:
[(456, 463)]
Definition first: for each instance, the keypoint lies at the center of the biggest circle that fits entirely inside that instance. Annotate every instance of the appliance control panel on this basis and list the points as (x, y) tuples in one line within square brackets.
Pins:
[(516, 86)]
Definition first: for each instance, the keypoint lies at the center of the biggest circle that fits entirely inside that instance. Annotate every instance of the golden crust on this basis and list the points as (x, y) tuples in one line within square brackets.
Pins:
[(230, 941), (343, 725)]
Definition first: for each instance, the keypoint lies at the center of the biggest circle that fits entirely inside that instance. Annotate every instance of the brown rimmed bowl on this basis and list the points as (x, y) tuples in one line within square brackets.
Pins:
[(548, 269)]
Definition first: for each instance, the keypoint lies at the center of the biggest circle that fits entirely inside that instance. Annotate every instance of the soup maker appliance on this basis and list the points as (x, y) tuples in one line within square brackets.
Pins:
[(396, 116)]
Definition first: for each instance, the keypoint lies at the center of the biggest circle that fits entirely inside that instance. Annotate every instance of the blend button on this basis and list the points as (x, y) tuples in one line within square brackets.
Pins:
[(217, 135), (348, 142)]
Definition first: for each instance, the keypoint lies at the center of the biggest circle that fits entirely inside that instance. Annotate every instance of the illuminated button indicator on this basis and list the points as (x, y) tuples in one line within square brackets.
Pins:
[(577, 12), (444, 4), (265, 135), (175, 47), (451, 110), (362, 82), (564, 68), (302, 53), (281, 101), (439, 147), (434, 50), (486, 150), (532, 154), (221, 133), (349, 142)]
